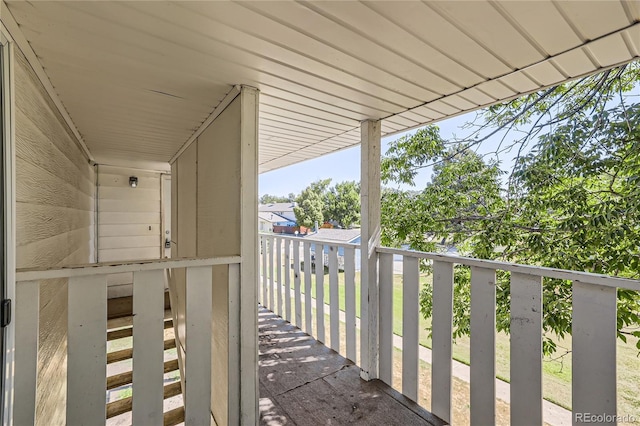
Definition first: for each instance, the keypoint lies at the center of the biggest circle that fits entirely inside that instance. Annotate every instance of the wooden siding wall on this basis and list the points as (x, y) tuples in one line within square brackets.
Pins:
[(206, 217), (128, 221), (55, 222)]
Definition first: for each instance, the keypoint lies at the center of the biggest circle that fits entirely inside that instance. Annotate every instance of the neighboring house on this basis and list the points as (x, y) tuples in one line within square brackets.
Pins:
[(267, 220), (339, 236), (100, 101), (284, 210)]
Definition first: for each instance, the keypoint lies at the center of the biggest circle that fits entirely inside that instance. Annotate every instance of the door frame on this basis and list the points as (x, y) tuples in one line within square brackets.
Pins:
[(8, 228)]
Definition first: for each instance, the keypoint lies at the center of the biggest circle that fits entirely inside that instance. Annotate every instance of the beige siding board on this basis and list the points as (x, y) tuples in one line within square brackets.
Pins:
[(38, 186), (122, 180), (129, 254), (187, 202), (30, 97), (132, 230), (39, 222), (54, 250), (36, 147), (107, 218)]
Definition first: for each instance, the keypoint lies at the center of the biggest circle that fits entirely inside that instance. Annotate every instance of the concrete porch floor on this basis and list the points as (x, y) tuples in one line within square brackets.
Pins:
[(302, 382)]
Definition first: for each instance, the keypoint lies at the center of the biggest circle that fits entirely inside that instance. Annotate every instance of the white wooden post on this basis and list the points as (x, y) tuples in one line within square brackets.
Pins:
[(410, 329), (350, 302), (296, 284), (87, 350), (234, 345), (263, 248), (148, 347), (483, 346), (308, 328), (320, 292), (287, 280), (272, 305), (386, 317), (27, 307), (197, 395), (526, 349), (370, 239), (278, 242), (249, 104), (593, 325), (442, 320), (334, 298)]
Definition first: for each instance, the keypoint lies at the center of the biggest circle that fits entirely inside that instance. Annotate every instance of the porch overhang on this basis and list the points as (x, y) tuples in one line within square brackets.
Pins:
[(138, 79)]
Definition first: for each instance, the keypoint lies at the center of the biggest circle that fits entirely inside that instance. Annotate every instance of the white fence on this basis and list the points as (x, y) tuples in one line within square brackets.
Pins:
[(594, 324), (87, 336)]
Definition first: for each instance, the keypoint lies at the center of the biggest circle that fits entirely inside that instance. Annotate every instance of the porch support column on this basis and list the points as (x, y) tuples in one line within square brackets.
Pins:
[(370, 239), (248, 385)]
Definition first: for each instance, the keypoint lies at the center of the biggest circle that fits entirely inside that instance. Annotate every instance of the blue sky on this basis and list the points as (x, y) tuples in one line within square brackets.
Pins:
[(345, 165)]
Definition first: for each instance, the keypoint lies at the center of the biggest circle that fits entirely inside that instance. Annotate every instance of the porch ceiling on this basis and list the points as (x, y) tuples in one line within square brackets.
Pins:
[(139, 78)]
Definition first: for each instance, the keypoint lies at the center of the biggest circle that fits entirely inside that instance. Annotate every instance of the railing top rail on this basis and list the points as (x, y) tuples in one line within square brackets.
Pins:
[(35, 274), (310, 240), (541, 271)]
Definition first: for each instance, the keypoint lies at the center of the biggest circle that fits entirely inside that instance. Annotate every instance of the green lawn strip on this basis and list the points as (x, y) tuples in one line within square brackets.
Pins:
[(556, 368)]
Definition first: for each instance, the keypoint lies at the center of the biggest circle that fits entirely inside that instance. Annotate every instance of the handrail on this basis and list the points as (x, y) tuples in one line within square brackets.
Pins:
[(310, 240), (33, 274), (540, 271)]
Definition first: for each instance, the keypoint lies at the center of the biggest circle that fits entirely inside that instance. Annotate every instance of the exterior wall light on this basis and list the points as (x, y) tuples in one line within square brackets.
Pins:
[(133, 181)]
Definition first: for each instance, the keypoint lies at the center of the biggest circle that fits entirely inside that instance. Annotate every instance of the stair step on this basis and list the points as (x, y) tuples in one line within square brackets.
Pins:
[(121, 306), (128, 332), (124, 405), (128, 353), (174, 417), (127, 377), (127, 320)]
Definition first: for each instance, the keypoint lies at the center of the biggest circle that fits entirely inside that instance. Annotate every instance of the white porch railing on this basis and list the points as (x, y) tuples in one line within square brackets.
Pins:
[(593, 325), (87, 336)]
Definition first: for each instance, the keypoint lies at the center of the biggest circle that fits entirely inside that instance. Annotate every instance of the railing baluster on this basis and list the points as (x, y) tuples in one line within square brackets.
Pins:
[(442, 320), (526, 349), (27, 309), (235, 332), (350, 301), (148, 348), (320, 292), (334, 299), (87, 350), (272, 306), (308, 328), (197, 394), (296, 283), (279, 275), (287, 280), (386, 317), (410, 329), (483, 336), (594, 350), (263, 243)]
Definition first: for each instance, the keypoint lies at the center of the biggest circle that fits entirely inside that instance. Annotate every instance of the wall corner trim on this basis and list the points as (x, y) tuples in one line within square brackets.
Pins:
[(224, 103), (22, 43)]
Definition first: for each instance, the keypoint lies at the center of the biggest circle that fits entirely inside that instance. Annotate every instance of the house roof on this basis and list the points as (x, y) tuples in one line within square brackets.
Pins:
[(333, 234), (137, 79), (277, 207), (272, 217)]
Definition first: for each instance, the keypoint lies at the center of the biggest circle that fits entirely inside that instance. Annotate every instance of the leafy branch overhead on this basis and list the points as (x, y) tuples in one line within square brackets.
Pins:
[(571, 200)]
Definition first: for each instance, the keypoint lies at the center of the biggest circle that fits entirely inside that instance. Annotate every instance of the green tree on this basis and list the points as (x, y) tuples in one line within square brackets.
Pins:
[(310, 204), (342, 204), (269, 199), (572, 201)]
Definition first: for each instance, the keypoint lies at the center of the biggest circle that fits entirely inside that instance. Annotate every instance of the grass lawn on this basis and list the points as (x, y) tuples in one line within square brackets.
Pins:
[(556, 369)]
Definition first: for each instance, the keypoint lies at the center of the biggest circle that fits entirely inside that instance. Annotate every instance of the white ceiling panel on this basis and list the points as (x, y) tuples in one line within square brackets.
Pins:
[(137, 79)]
